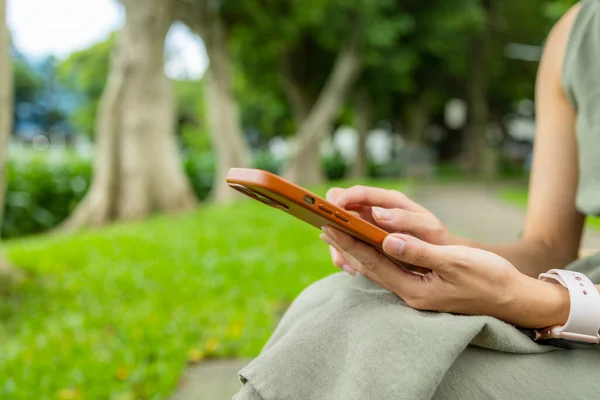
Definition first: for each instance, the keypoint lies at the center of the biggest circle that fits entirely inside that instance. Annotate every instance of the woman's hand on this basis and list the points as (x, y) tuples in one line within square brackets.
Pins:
[(392, 211), (462, 280)]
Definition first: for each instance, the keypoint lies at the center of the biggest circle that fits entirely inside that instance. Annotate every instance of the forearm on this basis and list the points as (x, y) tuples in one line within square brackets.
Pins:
[(528, 256)]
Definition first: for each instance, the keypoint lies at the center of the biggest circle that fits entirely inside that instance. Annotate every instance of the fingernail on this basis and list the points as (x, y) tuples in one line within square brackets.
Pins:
[(329, 196), (382, 213), (394, 245), (326, 239), (349, 269)]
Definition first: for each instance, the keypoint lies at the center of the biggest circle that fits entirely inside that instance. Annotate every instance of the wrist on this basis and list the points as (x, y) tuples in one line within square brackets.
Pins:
[(537, 304)]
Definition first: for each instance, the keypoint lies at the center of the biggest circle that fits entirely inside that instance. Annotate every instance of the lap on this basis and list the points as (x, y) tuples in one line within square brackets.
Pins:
[(393, 347), (481, 373)]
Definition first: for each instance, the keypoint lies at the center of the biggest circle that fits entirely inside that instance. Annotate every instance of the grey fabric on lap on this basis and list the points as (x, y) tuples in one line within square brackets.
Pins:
[(346, 338)]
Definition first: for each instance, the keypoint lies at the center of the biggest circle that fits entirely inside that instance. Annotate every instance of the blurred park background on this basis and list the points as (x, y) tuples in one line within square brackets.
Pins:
[(126, 258)]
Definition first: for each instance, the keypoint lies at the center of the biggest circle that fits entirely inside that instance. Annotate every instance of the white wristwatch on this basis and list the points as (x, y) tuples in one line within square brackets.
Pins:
[(583, 324)]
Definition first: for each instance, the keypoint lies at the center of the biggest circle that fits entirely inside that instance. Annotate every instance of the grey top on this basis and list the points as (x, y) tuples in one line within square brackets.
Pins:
[(581, 80)]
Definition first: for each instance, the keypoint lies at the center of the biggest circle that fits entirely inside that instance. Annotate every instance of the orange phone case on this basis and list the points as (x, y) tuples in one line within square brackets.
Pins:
[(279, 193)]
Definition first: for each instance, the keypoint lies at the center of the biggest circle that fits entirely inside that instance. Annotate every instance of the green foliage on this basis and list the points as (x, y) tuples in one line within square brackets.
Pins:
[(117, 313), (85, 72), (264, 160), (335, 166), (27, 82), (41, 192), (554, 9)]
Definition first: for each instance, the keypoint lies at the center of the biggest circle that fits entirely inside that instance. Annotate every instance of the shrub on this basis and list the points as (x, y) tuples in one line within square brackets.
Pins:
[(43, 190)]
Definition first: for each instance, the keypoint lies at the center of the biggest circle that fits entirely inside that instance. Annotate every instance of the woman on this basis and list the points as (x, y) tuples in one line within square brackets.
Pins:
[(363, 337)]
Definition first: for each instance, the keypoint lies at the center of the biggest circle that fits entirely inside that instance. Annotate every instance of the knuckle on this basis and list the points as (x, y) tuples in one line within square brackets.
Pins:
[(370, 265), (397, 194), (460, 259), (357, 189), (421, 256)]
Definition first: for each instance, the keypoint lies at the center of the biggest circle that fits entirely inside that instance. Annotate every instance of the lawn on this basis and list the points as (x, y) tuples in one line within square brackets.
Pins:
[(519, 196), (118, 313)]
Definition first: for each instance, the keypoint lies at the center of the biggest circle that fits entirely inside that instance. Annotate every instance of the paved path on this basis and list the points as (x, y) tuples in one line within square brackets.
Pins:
[(211, 380), (472, 210), (476, 211)]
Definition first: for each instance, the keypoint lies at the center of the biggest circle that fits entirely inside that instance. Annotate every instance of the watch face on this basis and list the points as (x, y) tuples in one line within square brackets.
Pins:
[(567, 344)]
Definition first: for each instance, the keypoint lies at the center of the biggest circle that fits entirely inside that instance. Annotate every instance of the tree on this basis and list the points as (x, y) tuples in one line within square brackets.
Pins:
[(137, 168), (85, 73), (304, 165), (228, 142), (6, 101), (364, 121), (319, 53), (7, 272)]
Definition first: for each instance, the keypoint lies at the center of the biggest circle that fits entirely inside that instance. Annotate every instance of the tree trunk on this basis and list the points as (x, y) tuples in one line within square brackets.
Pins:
[(300, 169), (137, 169), (6, 102), (223, 115), (301, 103), (225, 129), (364, 120), (477, 102), (7, 272), (419, 120)]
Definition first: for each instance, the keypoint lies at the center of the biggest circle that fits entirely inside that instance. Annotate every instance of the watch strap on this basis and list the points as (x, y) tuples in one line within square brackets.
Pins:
[(583, 324)]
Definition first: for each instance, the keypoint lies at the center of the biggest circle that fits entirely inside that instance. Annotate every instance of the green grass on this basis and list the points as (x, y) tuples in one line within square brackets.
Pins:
[(117, 313), (519, 196)]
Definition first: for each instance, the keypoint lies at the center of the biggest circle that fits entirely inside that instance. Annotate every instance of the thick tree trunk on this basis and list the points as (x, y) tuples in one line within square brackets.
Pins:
[(347, 66), (7, 272), (477, 101), (364, 120), (223, 115), (137, 169)]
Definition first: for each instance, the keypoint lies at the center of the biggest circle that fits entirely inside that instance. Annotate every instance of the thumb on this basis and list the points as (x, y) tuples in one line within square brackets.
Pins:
[(414, 251)]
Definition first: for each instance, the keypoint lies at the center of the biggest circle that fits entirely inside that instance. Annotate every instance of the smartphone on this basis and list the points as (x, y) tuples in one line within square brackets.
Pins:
[(283, 195)]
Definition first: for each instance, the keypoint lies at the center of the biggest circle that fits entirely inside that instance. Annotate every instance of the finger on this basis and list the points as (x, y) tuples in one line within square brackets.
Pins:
[(371, 263), (353, 264), (337, 258), (399, 220), (364, 212), (416, 252), (348, 269), (333, 193), (370, 196)]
